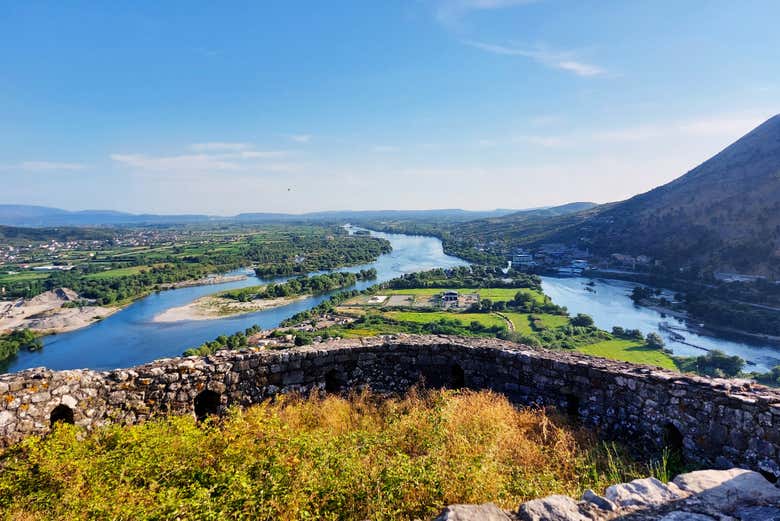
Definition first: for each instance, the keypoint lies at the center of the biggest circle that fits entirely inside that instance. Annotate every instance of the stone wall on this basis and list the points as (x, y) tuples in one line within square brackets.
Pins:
[(715, 422)]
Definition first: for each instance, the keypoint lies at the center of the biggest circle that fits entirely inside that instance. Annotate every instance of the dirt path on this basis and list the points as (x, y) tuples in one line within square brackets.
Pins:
[(509, 323)]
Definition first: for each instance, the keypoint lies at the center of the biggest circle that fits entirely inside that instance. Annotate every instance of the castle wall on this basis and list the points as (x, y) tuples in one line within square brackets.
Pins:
[(716, 422)]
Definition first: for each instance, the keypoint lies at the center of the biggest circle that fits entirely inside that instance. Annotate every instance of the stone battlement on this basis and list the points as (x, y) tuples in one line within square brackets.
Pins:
[(714, 421)]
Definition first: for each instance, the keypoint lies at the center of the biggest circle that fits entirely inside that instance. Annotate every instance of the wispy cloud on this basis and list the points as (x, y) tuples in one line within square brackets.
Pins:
[(450, 12), (384, 148), (299, 138), (723, 126), (211, 157), (192, 162), (542, 141), (563, 60), (43, 166), (219, 145)]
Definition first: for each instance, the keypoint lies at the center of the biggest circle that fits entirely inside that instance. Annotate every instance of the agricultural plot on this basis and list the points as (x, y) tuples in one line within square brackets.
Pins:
[(494, 294), (629, 351), (23, 276), (486, 319), (119, 272)]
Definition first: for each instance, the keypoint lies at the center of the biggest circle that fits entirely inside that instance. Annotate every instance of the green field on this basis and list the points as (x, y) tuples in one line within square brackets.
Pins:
[(120, 272), (552, 321), (486, 319), (629, 351), (522, 321), (22, 276), (494, 294)]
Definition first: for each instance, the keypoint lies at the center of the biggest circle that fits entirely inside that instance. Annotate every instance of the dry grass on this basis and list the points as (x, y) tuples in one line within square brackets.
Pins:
[(309, 458)]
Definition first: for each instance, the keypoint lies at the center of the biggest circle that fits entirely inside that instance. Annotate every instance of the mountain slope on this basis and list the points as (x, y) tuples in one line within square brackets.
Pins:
[(724, 214)]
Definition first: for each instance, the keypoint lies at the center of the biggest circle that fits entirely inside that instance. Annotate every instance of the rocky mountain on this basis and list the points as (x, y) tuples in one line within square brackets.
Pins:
[(723, 215)]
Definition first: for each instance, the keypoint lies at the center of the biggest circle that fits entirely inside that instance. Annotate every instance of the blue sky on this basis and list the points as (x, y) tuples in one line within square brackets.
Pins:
[(297, 106)]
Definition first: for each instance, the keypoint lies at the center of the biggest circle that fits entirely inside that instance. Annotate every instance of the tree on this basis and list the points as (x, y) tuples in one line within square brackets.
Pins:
[(582, 320), (654, 341), (486, 305)]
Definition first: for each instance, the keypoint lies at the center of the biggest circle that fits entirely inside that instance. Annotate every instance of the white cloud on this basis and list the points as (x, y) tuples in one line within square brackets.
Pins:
[(450, 12), (384, 148), (720, 127), (43, 166), (542, 141), (257, 154), (564, 61), (218, 145), (223, 157), (724, 125), (194, 162), (299, 138), (49, 165)]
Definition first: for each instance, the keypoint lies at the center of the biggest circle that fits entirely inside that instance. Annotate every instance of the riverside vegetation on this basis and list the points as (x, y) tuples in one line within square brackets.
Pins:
[(512, 307), (317, 457), (117, 274)]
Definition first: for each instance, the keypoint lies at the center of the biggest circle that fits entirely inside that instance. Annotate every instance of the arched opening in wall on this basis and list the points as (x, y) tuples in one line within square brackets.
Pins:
[(61, 414), (457, 377), (673, 442), (207, 404), (333, 382), (571, 405)]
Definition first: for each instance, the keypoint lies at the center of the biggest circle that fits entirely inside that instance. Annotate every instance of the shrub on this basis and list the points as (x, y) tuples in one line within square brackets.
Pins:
[(316, 458)]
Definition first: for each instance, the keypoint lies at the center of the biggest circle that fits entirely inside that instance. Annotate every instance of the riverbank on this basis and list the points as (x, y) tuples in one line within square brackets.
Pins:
[(62, 310), (708, 329), (213, 307), (205, 281), (55, 311)]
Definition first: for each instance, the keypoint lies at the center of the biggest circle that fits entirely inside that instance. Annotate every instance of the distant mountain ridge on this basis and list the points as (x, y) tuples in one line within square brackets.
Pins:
[(42, 216)]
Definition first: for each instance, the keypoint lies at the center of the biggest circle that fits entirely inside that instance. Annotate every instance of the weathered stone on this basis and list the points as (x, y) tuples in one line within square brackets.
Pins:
[(486, 512), (686, 516), (724, 488), (599, 501), (717, 420), (643, 493), (758, 513), (551, 508)]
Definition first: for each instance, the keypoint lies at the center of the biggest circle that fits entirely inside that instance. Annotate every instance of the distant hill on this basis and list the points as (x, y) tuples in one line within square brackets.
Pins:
[(41, 216), (524, 226), (12, 234), (26, 215), (722, 215)]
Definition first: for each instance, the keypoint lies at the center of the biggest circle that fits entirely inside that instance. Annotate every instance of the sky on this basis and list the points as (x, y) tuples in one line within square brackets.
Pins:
[(295, 106)]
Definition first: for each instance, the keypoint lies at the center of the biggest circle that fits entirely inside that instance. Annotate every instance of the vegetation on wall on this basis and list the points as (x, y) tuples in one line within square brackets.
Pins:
[(316, 458)]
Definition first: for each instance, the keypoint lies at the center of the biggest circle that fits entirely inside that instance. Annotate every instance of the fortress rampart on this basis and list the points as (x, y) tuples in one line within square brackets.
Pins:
[(714, 422)]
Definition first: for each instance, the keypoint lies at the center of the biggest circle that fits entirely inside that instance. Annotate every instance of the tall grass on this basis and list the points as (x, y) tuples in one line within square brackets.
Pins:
[(311, 458)]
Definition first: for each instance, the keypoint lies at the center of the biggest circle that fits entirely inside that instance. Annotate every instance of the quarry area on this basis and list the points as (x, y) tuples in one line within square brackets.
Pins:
[(55, 311)]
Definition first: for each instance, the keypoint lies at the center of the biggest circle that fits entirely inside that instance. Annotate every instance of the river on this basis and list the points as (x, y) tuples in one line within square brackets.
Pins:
[(130, 337), (609, 304)]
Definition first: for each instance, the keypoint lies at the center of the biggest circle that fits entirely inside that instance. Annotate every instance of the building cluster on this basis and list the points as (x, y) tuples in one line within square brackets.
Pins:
[(558, 257), (569, 260)]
